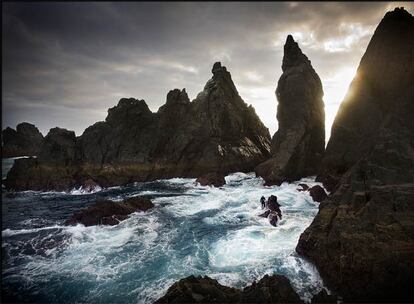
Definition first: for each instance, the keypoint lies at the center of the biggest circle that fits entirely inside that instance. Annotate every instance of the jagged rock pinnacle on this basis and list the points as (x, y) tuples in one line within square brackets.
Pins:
[(293, 55), (298, 145)]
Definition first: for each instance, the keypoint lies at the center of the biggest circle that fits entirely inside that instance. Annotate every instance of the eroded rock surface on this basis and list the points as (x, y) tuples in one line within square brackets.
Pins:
[(299, 143)]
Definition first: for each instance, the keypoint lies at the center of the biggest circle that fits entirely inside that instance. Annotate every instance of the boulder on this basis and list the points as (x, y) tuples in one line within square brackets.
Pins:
[(26, 140), (317, 193), (211, 179), (216, 132), (108, 212), (362, 239), (270, 289), (299, 143)]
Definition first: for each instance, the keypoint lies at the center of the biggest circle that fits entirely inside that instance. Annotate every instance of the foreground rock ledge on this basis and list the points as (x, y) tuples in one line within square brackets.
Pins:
[(108, 212), (270, 289)]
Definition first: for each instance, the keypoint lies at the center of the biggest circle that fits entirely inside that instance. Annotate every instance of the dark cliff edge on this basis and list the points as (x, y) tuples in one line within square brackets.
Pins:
[(26, 140), (270, 289), (362, 240), (216, 133), (299, 143)]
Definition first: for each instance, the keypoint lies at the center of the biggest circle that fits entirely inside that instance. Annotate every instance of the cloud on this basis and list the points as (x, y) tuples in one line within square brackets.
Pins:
[(65, 64)]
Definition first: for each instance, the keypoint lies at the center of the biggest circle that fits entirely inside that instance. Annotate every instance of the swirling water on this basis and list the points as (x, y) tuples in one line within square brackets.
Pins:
[(193, 230)]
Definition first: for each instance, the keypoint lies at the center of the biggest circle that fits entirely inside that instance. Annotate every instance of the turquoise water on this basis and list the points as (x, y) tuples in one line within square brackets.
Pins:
[(193, 230)]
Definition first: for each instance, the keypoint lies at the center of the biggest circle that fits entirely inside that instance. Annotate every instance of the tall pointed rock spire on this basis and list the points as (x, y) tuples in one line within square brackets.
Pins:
[(298, 145)]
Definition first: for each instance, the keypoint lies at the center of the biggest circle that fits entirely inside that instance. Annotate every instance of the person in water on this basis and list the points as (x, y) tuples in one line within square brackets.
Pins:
[(263, 201)]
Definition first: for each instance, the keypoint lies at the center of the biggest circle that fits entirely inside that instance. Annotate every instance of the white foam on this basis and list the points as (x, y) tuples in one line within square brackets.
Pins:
[(82, 191)]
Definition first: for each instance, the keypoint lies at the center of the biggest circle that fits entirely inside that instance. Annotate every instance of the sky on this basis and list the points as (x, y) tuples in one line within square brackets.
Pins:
[(64, 64)]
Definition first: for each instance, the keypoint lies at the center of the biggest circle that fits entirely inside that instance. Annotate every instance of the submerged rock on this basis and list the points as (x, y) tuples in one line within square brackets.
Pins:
[(211, 179), (109, 212), (299, 144), (270, 289), (24, 141), (216, 132), (362, 239)]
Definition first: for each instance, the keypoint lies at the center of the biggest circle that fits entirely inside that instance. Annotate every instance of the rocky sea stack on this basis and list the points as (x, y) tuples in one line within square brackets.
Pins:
[(362, 239), (216, 133), (26, 140), (298, 145)]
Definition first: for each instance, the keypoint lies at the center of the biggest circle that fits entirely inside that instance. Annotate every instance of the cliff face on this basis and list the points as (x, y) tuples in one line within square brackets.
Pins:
[(24, 141), (299, 143), (362, 239), (215, 133)]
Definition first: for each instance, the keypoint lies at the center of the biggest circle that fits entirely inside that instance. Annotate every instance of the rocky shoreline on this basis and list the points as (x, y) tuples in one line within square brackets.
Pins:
[(362, 239)]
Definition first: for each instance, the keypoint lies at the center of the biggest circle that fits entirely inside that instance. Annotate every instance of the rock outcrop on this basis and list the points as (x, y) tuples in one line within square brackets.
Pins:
[(216, 132), (362, 240), (109, 212), (270, 289), (26, 140), (298, 145), (211, 179)]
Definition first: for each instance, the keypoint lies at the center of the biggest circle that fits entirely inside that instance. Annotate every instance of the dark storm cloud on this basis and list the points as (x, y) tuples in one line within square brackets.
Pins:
[(65, 63)]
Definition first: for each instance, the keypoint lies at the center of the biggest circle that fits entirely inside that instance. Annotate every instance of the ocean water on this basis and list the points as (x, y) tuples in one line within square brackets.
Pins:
[(193, 230)]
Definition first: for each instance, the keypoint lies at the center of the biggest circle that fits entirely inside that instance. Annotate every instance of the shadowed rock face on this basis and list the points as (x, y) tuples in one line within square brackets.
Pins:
[(270, 289), (362, 239), (26, 140), (216, 132), (298, 145)]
